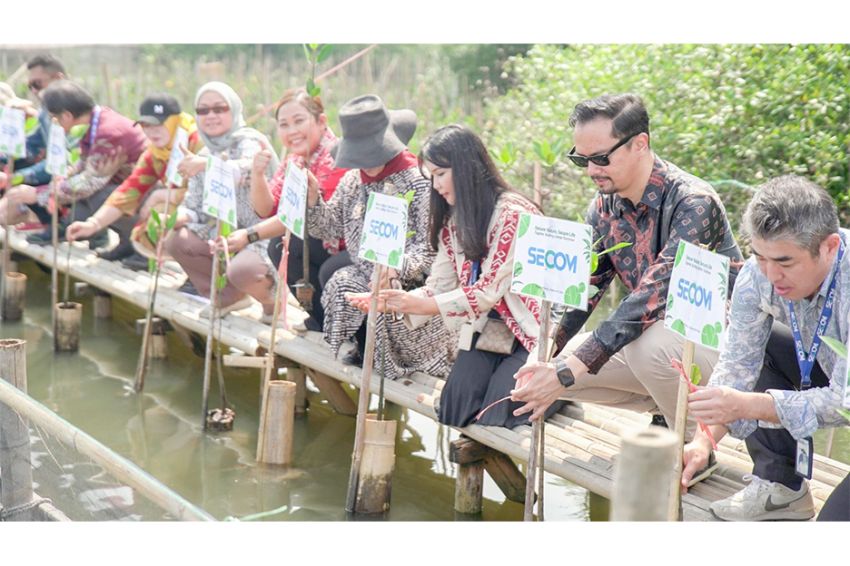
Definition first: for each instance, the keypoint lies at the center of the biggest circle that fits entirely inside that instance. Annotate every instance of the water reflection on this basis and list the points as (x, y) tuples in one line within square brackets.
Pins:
[(160, 431)]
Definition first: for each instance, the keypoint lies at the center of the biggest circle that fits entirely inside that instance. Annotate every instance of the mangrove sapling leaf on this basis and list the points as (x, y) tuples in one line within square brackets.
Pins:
[(844, 413), (156, 217), (616, 247), (153, 229), (172, 221), (836, 345), (408, 196), (696, 374), (410, 234), (307, 53), (324, 52), (31, 125), (151, 265), (221, 282)]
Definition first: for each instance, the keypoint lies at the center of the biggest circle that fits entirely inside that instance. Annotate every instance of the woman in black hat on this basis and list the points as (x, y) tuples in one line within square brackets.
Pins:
[(373, 145)]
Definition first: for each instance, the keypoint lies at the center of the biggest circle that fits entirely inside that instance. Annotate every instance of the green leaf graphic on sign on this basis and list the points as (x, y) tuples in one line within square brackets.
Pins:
[(679, 326), (231, 217), (837, 346), (299, 224), (394, 258), (370, 255), (679, 253), (710, 336), (696, 374), (283, 218), (524, 222), (533, 289), (370, 202), (517, 269), (669, 301), (572, 295)]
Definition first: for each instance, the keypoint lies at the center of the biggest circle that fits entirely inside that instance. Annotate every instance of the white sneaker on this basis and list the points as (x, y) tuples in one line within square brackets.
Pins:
[(765, 500), (242, 303)]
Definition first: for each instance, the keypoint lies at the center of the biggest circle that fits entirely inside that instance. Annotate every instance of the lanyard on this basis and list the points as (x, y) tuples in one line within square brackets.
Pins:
[(95, 122), (807, 362), (473, 275)]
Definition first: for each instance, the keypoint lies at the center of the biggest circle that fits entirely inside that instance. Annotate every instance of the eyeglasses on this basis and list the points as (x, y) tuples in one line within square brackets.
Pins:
[(601, 159), (214, 109), (35, 85)]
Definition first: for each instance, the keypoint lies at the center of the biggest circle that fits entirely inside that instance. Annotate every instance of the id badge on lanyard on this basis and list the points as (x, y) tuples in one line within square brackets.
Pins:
[(805, 448), (466, 333)]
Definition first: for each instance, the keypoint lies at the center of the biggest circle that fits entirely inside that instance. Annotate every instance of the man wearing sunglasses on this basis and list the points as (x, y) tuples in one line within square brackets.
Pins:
[(651, 204), (42, 70)]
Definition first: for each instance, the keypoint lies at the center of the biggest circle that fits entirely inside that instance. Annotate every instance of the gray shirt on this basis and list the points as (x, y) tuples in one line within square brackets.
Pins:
[(755, 306)]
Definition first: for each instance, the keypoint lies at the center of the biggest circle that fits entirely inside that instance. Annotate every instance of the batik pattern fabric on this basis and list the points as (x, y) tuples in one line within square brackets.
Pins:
[(675, 206), (755, 307), (428, 348), (459, 302)]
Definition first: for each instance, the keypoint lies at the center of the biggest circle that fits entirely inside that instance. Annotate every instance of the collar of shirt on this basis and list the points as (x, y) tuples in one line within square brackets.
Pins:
[(651, 195)]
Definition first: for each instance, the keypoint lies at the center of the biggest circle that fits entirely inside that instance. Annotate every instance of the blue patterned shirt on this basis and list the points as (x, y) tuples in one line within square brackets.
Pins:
[(755, 306)]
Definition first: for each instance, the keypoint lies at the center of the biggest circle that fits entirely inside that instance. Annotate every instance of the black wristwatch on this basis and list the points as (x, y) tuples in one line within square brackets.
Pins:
[(564, 373), (252, 235)]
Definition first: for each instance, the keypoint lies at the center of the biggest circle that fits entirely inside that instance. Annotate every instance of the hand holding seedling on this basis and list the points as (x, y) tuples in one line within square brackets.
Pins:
[(237, 240), (718, 405), (695, 457)]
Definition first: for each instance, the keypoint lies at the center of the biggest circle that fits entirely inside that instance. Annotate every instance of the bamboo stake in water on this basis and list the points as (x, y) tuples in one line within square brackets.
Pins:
[(213, 315), (141, 365), (66, 292), (365, 382), (10, 172), (537, 447), (674, 506), (267, 371), (54, 239)]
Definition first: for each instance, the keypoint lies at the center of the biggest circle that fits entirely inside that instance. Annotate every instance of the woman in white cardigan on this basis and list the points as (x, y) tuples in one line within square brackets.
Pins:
[(474, 219)]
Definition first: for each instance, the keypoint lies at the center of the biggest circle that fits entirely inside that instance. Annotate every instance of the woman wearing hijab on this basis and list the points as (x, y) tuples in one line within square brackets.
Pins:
[(373, 145), (160, 118), (222, 129)]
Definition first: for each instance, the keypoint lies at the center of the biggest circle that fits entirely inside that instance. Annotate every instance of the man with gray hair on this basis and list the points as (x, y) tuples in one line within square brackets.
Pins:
[(776, 383)]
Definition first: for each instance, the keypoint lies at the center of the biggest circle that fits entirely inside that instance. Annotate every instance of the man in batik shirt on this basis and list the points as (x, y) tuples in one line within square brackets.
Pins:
[(652, 205)]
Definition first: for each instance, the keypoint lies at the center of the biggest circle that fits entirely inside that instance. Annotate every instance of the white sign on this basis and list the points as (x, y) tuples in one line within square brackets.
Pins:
[(181, 139), (220, 180), (552, 260), (384, 230), (13, 138), (846, 403), (696, 303), (292, 207), (57, 152)]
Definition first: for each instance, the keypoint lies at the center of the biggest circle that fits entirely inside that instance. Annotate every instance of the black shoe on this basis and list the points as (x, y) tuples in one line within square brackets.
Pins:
[(99, 240), (659, 420), (188, 288), (353, 358), (136, 262), (46, 237), (122, 250), (312, 324)]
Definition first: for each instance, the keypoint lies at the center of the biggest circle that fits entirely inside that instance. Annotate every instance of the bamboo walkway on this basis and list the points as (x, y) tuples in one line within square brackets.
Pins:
[(582, 441)]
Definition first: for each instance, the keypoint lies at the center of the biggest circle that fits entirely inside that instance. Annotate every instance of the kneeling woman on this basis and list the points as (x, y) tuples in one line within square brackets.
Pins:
[(474, 218)]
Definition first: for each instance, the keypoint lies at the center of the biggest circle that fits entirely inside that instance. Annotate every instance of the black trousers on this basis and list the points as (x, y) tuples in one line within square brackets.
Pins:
[(295, 267), (773, 450), (479, 378), (837, 507)]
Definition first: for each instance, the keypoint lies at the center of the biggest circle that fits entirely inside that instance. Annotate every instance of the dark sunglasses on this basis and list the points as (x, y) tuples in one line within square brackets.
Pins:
[(601, 159), (35, 85), (213, 109)]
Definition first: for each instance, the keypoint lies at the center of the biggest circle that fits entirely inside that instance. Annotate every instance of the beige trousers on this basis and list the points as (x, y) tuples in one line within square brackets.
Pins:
[(639, 377)]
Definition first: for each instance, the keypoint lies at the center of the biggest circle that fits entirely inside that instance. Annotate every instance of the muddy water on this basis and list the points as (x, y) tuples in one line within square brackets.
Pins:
[(160, 431)]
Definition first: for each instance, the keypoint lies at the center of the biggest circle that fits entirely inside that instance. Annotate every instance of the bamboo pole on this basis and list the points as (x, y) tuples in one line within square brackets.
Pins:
[(277, 423), (54, 239), (16, 490), (16, 294), (141, 364), (674, 500), (122, 469), (537, 446), (641, 475), (10, 172), (374, 483), (365, 392), (211, 330)]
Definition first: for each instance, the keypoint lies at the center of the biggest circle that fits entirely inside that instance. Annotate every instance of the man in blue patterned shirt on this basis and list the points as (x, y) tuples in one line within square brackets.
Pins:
[(773, 384)]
